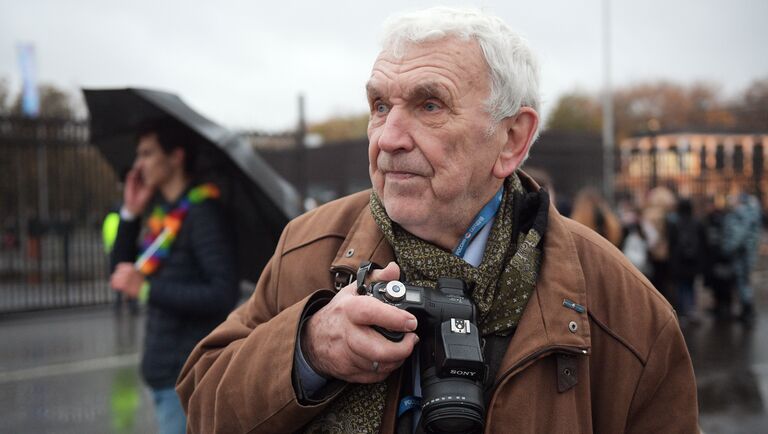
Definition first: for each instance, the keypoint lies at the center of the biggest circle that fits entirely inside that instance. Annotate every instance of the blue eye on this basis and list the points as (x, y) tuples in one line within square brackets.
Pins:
[(430, 107), (381, 108)]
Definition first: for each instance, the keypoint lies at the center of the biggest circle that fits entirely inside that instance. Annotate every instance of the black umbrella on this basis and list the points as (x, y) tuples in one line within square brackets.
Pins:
[(258, 200)]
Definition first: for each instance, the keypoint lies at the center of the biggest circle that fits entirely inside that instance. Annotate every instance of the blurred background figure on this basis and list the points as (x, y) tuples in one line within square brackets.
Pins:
[(660, 202), (186, 267), (637, 236), (719, 269), (743, 239), (685, 258), (591, 210)]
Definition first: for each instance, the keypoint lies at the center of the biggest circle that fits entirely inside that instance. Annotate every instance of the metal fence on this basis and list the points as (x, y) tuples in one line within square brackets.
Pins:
[(707, 168), (55, 190)]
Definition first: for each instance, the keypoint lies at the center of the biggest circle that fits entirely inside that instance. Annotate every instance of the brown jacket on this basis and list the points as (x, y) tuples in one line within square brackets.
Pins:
[(621, 367)]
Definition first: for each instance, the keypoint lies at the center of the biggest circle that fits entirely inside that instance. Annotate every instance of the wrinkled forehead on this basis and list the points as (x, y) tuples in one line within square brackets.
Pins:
[(402, 48), (452, 58)]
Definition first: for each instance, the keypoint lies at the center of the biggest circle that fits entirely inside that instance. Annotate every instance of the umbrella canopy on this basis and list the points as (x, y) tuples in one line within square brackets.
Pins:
[(258, 199)]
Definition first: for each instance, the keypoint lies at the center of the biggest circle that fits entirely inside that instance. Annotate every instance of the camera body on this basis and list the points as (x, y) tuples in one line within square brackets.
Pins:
[(451, 357)]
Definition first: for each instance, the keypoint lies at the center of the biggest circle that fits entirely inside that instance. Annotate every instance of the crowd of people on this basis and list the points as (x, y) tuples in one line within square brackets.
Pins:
[(675, 246)]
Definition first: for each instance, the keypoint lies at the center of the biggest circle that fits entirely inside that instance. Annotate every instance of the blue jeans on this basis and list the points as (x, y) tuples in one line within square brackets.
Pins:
[(168, 412)]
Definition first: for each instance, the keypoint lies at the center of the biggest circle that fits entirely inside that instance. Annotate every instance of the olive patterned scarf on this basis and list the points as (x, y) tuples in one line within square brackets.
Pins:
[(501, 286)]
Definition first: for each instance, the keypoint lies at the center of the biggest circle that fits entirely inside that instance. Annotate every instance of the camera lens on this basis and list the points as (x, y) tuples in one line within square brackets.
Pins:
[(451, 404)]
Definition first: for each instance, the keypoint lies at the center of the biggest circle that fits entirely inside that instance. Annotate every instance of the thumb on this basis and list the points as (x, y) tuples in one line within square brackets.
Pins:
[(390, 272)]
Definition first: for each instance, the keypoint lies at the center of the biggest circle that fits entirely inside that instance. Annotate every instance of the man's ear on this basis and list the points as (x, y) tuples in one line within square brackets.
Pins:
[(518, 132)]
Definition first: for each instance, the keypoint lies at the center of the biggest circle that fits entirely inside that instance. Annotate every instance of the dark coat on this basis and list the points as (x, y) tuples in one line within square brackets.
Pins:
[(190, 294), (686, 247), (628, 369)]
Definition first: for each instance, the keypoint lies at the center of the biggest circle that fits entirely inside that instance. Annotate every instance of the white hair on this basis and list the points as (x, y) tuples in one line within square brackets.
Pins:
[(514, 71)]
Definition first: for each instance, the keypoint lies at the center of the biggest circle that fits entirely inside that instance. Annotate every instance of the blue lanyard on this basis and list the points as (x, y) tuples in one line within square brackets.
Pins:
[(481, 219)]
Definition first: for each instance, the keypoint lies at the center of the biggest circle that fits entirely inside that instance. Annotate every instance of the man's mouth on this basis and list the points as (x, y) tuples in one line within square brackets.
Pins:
[(399, 172)]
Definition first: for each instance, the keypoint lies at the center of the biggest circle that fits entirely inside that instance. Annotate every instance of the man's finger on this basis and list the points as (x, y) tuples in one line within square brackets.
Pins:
[(372, 345), (370, 311)]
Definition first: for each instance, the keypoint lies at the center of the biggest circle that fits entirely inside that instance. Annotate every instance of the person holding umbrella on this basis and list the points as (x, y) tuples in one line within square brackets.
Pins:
[(184, 268)]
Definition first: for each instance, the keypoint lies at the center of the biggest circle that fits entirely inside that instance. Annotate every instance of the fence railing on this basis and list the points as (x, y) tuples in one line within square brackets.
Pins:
[(706, 168), (55, 190)]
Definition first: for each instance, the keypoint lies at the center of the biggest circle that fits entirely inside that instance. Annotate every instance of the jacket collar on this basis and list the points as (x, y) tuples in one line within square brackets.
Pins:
[(546, 323), (365, 242)]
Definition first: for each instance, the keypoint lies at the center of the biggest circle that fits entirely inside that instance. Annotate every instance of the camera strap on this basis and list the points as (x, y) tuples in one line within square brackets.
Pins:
[(408, 403), (362, 272), (481, 219)]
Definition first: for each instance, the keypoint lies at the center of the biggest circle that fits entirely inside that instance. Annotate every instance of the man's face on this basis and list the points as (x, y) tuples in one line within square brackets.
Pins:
[(430, 153), (155, 166)]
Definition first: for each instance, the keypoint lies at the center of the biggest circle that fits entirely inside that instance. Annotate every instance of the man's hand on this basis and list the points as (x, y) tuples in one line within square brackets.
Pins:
[(137, 194), (339, 341), (127, 279)]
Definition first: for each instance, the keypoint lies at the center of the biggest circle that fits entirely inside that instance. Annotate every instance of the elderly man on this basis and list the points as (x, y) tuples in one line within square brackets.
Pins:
[(574, 338)]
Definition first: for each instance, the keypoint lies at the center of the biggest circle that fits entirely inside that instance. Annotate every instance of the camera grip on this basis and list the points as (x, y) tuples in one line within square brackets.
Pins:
[(389, 334)]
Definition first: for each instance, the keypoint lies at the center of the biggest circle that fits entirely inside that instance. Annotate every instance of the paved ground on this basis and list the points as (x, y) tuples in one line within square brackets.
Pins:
[(75, 371), (731, 364), (72, 371)]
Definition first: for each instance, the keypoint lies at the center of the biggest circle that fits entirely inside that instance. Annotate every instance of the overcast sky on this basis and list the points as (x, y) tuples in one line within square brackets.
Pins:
[(243, 63)]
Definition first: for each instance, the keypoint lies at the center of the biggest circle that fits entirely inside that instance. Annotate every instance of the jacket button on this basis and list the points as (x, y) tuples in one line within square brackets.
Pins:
[(572, 326), (350, 252)]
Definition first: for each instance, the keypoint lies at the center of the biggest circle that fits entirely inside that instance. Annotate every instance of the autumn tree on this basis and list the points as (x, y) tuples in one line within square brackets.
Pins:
[(752, 107), (3, 96), (80, 181), (341, 128), (576, 111), (674, 106)]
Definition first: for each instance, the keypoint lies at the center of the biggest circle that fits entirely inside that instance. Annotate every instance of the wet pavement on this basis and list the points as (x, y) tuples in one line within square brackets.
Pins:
[(76, 371), (73, 372), (730, 359)]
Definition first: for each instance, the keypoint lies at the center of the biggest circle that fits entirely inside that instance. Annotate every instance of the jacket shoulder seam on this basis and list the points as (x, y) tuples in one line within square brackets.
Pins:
[(323, 214), (311, 241), (640, 377), (636, 279), (621, 340)]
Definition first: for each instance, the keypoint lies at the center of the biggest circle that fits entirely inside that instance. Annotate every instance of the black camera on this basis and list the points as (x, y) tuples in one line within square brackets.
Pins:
[(451, 358)]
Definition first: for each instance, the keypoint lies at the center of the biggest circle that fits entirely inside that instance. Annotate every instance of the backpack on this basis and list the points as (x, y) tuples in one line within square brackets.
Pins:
[(635, 248)]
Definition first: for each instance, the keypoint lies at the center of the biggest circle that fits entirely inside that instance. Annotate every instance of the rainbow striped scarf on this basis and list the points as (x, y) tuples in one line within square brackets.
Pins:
[(164, 226)]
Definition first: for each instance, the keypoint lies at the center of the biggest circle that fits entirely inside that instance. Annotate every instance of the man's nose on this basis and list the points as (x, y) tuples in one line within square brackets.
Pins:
[(396, 132)]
